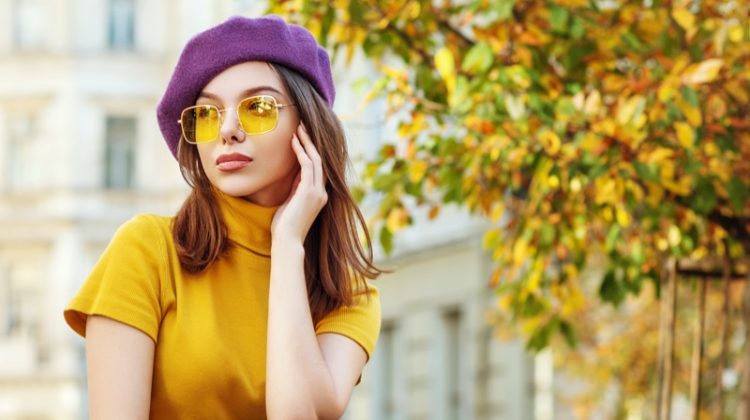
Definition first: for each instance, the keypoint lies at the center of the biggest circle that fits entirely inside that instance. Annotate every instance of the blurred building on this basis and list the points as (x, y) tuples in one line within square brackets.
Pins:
[(80, 153)]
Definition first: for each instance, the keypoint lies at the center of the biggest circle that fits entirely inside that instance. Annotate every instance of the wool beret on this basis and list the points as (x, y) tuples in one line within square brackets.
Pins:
[(237, 40)]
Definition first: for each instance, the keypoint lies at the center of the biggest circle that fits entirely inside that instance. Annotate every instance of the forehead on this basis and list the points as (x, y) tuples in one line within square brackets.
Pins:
[(242, 77)]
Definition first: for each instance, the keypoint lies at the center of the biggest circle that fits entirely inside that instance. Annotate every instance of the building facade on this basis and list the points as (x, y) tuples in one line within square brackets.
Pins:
[(81, 152)]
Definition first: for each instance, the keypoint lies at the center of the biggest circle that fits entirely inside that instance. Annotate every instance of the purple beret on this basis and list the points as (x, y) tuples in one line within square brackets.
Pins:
[(237, 40)]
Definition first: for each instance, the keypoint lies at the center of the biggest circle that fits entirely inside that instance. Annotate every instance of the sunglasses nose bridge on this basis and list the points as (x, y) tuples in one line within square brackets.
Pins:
[(229, 124)]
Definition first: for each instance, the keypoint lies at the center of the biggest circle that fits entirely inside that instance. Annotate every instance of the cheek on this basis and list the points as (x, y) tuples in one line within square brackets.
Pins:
[(280, 145), (280, 153)]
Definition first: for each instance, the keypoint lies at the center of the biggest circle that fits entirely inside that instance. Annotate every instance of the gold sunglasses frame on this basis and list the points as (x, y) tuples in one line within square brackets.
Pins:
[(222, 111)]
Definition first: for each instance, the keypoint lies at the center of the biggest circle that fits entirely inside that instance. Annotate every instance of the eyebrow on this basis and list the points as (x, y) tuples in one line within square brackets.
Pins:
[(244, 93)]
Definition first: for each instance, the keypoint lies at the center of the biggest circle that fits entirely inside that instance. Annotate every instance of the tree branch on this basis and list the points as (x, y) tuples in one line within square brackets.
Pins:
[(736, 227)]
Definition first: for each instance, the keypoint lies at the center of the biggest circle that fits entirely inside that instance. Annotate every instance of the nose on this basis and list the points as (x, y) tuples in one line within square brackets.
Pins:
[(230, 127)]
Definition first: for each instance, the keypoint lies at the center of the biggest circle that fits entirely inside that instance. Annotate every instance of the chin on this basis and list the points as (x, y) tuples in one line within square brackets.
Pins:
[(234, 188)]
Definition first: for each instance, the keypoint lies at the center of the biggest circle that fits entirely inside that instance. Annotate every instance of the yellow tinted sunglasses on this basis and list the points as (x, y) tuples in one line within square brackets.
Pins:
[(256, 114)]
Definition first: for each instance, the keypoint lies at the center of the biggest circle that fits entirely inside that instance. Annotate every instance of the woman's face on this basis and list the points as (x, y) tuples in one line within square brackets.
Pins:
[(259, 167)]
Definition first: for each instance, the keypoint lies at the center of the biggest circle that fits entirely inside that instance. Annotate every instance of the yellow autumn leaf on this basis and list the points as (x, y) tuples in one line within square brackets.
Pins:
[(417, 170), (397, 219), (737, 91), (497, 212), (692, 113), (623, 217), (716, 107), (666, 171), (520, 251), (571, 271), (357, 37), (674, 236), (412, 10), (684, 18), (575, 185), (446, 67), (505, 301), (630, 109), (490, 237), (535, 278), (703, 72), (635, 189), (550, 141), (682, 186), (655, 195), (593, 103), (574, 301), (433, 213), (685, 134), (658, 155), (516, 106), (736, 33), (606, 191), (606, 127), (667, 89)]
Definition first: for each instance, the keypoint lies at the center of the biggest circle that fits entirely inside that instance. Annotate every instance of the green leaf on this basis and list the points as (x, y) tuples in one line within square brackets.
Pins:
[(385, 182), (577, 28), (547, 234), (612, 237), (386, 240), (647, 172), (504, 9), (540, 338), (325, 25), (559, 20), (738, 194), (478, 59), (690, 96), (532, 306), (704, 198), (358, 193), (611, 290), (569, 333), (356, 11), (632, 41)]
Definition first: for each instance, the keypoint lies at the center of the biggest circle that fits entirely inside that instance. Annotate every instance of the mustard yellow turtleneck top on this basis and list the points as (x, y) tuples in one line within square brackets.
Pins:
[(209, 328)]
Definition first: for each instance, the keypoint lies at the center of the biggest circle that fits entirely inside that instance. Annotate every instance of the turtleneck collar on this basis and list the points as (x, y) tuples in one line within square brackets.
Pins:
[(248, 224)]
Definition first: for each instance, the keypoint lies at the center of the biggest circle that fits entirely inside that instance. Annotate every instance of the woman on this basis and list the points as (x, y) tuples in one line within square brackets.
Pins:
[(253, 300)]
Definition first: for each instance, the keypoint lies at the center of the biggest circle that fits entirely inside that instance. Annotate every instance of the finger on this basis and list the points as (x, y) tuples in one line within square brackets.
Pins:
[(312, 152), (306, 165)]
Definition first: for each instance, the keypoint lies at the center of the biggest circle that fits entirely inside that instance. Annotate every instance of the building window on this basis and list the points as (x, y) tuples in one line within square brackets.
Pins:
[(5, 316), (29, 21), (121, 27), (119, 152), (452, 324), (388, 385), (20, 300), (24, 159)]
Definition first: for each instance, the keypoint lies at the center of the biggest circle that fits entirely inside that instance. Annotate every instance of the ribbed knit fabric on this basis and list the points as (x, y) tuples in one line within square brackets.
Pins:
[(209, 328)]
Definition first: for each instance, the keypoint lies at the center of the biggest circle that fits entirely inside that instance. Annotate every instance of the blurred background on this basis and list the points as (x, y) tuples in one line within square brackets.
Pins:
[(561, 189)]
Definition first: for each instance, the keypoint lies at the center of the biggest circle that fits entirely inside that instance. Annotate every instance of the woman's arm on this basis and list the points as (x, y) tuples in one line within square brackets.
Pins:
[(306, 376), (120, 362)]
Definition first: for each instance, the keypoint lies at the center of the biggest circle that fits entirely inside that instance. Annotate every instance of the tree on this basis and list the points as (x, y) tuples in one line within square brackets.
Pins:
[(577, 127)]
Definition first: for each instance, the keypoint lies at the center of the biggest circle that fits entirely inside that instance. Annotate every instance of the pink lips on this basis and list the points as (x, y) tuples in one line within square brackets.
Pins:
[(232, 161)]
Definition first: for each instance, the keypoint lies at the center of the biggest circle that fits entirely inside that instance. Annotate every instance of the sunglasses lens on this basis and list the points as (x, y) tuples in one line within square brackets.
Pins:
[(258, 114), (200, 124)]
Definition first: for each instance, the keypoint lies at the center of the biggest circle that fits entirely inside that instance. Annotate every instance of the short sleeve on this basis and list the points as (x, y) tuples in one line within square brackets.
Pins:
[(360, 321), (125, 284)]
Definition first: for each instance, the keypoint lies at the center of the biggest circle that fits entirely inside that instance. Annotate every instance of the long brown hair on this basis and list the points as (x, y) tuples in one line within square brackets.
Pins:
[(334, 254)]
